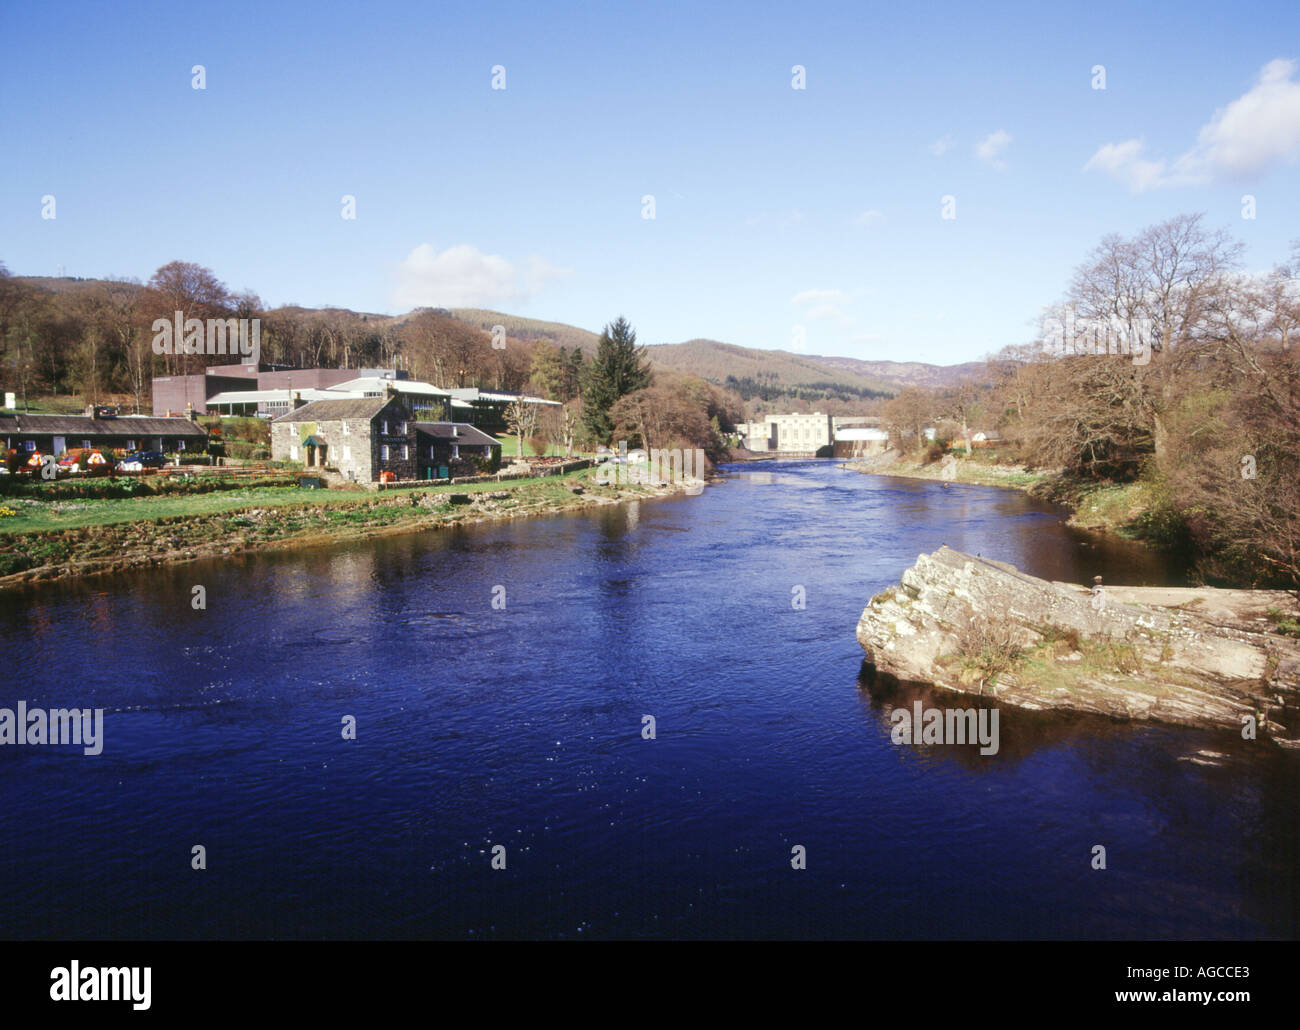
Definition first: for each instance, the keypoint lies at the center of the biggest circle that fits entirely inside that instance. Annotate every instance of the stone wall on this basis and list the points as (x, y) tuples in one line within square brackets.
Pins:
[(553, 470)]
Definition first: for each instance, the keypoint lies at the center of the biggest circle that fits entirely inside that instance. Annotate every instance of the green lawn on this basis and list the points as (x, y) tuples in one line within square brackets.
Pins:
[(509, 449), (72, 514)]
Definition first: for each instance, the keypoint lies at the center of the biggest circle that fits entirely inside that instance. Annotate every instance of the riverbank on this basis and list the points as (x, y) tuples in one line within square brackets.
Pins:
[(1121, 509), (104, 536)]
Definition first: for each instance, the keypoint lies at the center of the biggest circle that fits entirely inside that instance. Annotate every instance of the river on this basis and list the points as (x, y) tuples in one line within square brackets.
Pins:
[(521, 725)]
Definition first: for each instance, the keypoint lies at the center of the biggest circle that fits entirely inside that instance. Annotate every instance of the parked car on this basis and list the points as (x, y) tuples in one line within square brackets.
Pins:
[(138, 460), (68, 463)]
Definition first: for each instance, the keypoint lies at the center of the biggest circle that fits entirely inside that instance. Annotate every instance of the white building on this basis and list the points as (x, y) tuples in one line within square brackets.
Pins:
[(418, 395), (851, 434), (789, 434)]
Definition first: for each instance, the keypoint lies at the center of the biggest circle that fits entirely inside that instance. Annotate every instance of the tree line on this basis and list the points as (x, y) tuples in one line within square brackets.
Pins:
[(92, 341), (1165, 363)]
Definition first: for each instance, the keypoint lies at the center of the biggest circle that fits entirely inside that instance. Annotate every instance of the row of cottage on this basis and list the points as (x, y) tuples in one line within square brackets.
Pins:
[(365, 439), (25, 434)]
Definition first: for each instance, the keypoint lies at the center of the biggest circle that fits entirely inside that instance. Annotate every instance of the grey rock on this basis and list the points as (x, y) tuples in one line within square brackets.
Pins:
[(1187, 656)]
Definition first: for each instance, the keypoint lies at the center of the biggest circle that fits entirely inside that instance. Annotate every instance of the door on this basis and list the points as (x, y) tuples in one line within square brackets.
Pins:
[(60, 444)]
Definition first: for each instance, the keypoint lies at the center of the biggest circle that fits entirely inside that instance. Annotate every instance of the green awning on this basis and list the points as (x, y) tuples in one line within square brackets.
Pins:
[(313, 441)]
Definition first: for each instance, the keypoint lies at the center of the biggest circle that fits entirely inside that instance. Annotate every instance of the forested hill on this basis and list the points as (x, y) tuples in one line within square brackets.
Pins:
[(752, 372), (748, 370)]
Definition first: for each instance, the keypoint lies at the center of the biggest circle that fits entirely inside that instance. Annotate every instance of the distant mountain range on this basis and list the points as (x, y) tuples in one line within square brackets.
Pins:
[(716, 361)]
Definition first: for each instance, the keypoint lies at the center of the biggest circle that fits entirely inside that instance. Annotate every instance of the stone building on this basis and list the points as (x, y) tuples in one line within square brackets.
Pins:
[(361, 438), (445, 449)]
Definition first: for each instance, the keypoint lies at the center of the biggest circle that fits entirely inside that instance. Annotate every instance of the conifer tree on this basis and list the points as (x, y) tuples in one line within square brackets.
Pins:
[(619, 368)]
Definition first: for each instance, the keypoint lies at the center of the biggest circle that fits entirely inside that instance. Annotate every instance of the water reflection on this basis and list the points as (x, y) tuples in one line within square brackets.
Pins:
[(523, 724)]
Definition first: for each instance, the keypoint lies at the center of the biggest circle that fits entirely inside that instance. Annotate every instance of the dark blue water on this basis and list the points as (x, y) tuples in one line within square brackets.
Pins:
[(522, 727)]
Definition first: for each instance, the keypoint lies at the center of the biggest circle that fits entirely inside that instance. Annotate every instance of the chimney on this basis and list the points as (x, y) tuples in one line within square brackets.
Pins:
[(455, 429), (190, 413), (90, 411), (390, 390), (296, 401)]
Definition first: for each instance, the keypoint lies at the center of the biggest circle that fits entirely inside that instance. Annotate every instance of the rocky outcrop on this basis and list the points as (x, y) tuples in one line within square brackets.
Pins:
[(1191, 656)]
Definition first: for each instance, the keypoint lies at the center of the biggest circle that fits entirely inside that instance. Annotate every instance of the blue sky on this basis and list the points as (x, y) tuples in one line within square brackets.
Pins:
[(774, 207)]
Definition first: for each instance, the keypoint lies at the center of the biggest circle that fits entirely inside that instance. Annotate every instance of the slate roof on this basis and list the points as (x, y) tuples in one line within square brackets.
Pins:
[(84, 425), (468, 434), (332, 411)]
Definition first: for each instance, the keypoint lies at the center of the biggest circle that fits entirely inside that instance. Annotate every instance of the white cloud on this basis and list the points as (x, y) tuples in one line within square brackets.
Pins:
[(868, 217), (824, 306), (942, 145), (1258, 129), (1124, 161), (991, 146), (463, 276)]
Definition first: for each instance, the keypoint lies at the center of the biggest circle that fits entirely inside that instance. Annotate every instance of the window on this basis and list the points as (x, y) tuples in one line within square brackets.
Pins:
[(455, 450), (347, 453), (401, 429), (345, 429), (383, 452), (406, 452), (293, 453), (85, 444), (383, 427), (180, 445), (29, 445), (130, 445)]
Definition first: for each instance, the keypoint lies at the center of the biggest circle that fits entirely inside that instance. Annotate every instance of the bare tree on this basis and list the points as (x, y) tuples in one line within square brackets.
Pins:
[(908, 414), (188, 288), (444, 350), (560, 426), (1157, 289), (521, 418)]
